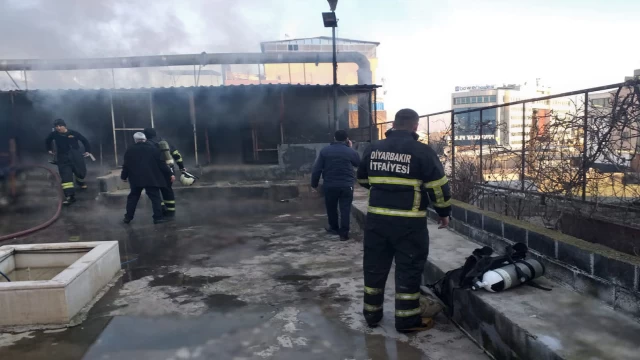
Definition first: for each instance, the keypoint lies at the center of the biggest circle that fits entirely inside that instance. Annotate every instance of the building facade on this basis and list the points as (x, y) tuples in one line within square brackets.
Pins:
[(322, 74), (624, 145), (504, 126)]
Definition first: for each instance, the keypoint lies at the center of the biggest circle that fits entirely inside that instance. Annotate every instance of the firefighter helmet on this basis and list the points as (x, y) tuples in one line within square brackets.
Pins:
[(187, 180)]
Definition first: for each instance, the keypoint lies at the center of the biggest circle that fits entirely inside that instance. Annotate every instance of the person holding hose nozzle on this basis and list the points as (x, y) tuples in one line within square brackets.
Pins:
[(69, 159), (170, 155), (403, 175)]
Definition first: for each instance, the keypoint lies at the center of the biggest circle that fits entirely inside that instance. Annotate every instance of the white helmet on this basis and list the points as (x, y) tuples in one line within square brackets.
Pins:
[(187, 180)]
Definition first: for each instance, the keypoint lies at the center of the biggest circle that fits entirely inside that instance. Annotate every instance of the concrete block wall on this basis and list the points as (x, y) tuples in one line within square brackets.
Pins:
[(611, 276), (295, 162), (301, 157)]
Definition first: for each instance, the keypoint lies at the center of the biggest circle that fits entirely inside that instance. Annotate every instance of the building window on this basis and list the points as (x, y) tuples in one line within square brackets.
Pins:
[(293, 47), (600, 102), (474, 100)]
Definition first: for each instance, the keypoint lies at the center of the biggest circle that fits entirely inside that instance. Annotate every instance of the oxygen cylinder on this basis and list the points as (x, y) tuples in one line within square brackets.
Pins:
[(507, 276), (166, 152)]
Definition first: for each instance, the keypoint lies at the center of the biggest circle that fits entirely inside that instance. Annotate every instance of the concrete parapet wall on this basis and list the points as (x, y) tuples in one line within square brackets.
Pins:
[(522, 322), (591, 269)]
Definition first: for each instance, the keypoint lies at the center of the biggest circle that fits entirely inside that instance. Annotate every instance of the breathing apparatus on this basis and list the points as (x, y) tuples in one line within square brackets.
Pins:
[(166, 152)]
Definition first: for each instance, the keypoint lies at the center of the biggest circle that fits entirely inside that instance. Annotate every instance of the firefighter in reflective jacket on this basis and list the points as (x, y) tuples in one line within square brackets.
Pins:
[(171, 156), (400, 172), (69, 159)]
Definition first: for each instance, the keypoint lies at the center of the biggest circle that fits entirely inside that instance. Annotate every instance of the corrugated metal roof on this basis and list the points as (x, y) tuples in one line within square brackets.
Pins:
[(347, 88)]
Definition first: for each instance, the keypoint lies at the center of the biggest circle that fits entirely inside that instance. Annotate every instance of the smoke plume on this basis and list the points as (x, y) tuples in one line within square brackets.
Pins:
[(71, 28)]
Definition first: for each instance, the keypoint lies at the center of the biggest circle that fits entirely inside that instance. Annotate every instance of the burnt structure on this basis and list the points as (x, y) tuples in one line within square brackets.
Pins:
[(210, 125)]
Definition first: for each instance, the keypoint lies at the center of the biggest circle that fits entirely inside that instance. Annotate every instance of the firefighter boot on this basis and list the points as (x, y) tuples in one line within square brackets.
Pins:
[(69, 200), (425, 324)]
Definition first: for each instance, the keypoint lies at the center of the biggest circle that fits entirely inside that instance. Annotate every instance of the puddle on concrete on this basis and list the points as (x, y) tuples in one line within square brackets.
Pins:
[(296, 278), (180, 279), (223, 302), (138, 273)]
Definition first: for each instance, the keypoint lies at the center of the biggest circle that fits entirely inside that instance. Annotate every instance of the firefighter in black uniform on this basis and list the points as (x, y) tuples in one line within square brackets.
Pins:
[(69, 159), (171, 156), (400, 171)]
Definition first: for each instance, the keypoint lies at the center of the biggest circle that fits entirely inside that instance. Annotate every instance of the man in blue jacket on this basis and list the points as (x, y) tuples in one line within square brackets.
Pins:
[(336, 164)]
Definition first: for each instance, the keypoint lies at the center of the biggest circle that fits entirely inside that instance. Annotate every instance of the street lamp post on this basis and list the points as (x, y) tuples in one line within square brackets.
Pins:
[(331, 21)]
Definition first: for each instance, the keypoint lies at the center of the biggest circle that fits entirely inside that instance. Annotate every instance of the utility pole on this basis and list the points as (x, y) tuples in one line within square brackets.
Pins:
[(335, 81), (331, 21)]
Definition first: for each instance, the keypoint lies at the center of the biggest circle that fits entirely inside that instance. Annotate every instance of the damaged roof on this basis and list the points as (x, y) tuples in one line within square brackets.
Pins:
[(349, 89)]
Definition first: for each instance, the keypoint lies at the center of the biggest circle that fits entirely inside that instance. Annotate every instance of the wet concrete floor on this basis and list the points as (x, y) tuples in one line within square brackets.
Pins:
[(227, 280)]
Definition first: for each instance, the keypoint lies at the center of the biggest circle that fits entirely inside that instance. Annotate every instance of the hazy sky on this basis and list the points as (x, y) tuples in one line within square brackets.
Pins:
[(427, 47)]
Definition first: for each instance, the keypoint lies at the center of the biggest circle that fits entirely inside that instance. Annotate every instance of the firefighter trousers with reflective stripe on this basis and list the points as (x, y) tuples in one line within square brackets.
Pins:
[(407, 241), (70, 164), (168, 199)]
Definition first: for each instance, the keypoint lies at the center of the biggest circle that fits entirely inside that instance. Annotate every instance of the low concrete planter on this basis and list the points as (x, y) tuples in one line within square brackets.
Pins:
[(79, 270)]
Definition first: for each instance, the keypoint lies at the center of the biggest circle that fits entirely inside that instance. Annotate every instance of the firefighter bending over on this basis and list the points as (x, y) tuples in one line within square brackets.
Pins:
[(69, 159), (400, 171), (171, 156)]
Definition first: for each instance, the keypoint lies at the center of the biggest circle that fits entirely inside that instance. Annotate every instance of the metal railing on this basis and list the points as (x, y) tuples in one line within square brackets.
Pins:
[(560, 147)]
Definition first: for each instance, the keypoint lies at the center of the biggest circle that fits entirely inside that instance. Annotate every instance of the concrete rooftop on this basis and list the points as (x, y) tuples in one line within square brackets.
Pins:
[(250, 279)]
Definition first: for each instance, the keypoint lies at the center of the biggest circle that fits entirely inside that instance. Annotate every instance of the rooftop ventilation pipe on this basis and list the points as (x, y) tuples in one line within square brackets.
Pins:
[(364, 67)]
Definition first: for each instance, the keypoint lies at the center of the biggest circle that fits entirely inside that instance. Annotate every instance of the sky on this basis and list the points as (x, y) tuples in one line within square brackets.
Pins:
[(426, 48)]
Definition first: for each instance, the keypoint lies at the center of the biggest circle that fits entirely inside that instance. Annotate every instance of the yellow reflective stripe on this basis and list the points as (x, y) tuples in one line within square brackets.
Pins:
[(401, 296), (171, 209), (437, 191), (363, 181), (373, 291), (162, 203), (437, 183), (407, 313), (394, 212), (394, 181), (169, 201), (443, 204), (79, 180), (372, 308), (177, 153), (67, 185), (417, 198)]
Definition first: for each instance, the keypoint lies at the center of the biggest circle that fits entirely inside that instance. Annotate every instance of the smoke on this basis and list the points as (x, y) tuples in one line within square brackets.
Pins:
[(71, 28)]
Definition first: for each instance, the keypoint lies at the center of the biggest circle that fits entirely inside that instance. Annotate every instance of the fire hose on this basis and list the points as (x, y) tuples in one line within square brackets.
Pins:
[(48, 222)]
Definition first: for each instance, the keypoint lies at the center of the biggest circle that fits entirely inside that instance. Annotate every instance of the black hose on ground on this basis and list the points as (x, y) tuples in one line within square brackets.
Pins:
[(48, 222)]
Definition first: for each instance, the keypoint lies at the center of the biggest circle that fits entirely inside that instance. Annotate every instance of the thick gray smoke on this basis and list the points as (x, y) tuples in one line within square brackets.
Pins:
[(71, 28)]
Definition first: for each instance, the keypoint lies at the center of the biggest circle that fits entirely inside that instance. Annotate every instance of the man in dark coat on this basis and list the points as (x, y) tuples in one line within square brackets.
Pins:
[(336, 164), (144, 169)]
